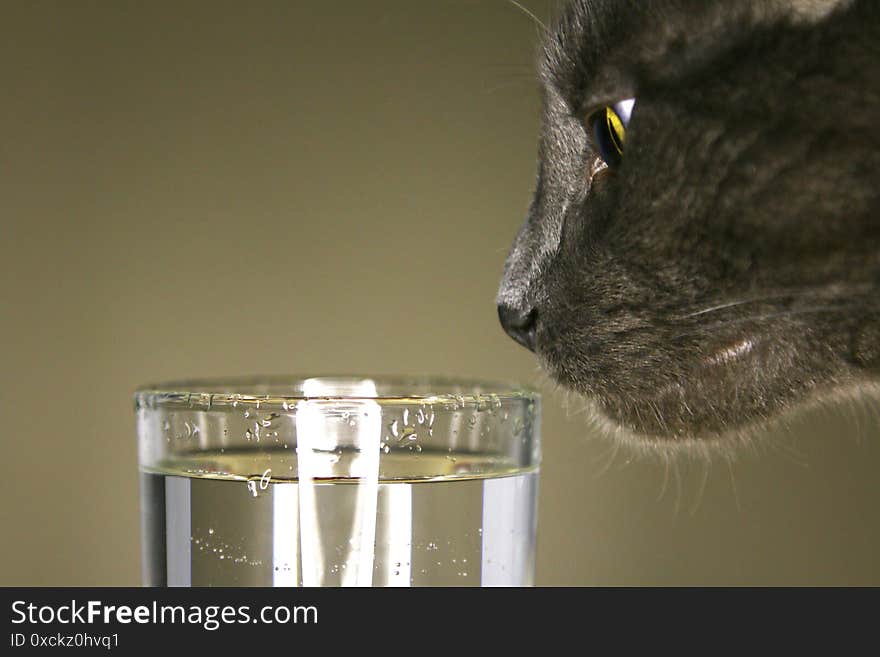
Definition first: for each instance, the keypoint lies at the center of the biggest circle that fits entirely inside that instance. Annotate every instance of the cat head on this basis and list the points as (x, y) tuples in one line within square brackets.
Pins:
[(703, 247)]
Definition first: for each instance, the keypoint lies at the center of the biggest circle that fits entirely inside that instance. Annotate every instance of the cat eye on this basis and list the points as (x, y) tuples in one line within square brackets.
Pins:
[(607, 127)]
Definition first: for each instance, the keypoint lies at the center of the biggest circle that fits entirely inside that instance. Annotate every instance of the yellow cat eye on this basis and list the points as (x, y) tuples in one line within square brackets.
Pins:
[(608, 129)]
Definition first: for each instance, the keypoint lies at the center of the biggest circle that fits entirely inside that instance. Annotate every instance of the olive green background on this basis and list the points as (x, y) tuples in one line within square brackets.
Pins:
[(215, 189)]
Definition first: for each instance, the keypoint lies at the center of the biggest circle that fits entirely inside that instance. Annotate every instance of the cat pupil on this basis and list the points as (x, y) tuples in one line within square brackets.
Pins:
[(615, 129), (608, 126)]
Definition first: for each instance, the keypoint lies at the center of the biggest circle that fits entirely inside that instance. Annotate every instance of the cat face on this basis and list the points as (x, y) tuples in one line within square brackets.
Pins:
[(712, 258)]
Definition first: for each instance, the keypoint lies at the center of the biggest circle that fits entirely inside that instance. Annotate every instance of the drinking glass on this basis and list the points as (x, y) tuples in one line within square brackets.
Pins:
[(338, 481)]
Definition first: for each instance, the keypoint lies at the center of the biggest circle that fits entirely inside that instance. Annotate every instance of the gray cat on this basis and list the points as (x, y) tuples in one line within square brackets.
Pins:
[(703, 248)]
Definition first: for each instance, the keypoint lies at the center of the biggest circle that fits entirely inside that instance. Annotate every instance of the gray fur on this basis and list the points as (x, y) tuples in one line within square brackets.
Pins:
[(728, 270)]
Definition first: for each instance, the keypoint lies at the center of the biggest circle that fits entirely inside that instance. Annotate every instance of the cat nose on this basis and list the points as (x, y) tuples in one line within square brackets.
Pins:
[(519, 324)]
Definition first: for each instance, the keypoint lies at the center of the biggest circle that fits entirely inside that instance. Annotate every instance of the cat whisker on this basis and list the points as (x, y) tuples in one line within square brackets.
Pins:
[(702, 490), (733, 487), (793, 293), (700, 328), (767, 316), (677, 506), (783, 313), (724, 306), (608, 463), (531, 15), (665, 481)]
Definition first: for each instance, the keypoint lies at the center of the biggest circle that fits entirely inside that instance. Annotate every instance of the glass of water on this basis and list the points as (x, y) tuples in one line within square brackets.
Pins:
[(338, 481)]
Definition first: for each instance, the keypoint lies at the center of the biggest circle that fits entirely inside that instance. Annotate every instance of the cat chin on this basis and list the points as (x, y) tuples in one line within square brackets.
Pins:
[(856, 398)]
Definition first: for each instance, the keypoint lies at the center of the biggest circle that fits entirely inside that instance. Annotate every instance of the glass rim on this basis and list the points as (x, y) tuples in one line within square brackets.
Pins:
[(220, 391)]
